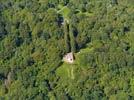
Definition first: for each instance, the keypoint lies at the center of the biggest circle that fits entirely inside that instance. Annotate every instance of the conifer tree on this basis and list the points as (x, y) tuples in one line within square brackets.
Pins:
[(66, 36), (72, 38)]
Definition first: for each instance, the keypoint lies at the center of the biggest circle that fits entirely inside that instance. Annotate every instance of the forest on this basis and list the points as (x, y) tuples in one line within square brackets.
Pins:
[(35, 35)]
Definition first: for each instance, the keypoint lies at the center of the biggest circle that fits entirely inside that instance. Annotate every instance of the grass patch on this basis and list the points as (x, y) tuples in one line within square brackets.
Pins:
[(67, 71), (60, 6), (85, 14), (64, 11)]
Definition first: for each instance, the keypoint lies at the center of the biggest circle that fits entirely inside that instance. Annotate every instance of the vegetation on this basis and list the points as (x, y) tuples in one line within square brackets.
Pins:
[(36, 34)]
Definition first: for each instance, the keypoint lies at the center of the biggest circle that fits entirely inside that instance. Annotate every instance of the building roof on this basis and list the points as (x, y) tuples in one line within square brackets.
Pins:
[(69, 58)]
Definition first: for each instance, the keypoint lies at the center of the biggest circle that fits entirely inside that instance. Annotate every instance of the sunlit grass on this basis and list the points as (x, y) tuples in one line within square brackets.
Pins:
[(67, 71)]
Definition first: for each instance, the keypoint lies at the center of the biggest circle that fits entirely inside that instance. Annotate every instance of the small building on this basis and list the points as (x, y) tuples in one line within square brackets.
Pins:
[(69, 58)]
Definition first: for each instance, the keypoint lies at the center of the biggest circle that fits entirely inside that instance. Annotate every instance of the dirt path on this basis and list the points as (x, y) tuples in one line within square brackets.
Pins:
[(72, 73)]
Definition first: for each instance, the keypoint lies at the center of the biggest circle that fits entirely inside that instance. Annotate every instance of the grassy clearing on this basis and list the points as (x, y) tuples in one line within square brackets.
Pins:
[(64, 11), (85, 14), (67, 71), (60, 6)]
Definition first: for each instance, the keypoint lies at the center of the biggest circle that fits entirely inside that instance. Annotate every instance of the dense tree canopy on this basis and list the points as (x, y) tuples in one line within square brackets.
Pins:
[(36, 34)]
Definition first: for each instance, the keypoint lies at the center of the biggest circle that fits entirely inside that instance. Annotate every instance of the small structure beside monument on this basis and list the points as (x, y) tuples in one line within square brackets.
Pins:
[(69, 58)]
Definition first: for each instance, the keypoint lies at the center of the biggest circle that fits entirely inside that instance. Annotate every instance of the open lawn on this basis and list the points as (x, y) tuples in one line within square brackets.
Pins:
[(68, 70)]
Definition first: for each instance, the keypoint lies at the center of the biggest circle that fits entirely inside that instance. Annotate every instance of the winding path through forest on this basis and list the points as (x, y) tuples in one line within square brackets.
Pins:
[(64, 11)]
